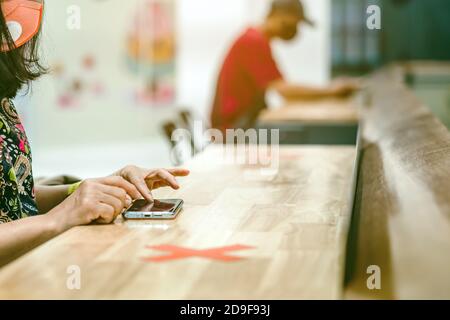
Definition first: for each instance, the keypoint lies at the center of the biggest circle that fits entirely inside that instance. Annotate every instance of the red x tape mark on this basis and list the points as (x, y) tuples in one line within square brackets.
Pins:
[(183, 253)]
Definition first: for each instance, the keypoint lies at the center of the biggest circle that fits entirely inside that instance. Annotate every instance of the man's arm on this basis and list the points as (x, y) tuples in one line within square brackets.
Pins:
[(289, 91)]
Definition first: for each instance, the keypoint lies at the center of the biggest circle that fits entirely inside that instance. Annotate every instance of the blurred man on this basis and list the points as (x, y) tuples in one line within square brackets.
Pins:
[(249, 70)]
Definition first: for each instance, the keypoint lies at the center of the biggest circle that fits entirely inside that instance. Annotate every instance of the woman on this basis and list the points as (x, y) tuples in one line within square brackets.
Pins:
[(31, 215)]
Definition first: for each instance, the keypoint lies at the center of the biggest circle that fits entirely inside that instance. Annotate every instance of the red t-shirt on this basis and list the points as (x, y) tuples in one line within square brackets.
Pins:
[(248, 69)]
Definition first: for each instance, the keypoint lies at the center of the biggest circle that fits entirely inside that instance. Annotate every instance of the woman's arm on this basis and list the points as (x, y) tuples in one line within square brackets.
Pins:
[(99, 200), (96, 200), (48, 197), (19, 237)]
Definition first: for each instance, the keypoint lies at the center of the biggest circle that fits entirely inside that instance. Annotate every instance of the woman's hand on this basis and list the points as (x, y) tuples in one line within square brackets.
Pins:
[(96, 200), (102, 200), (146, 180)]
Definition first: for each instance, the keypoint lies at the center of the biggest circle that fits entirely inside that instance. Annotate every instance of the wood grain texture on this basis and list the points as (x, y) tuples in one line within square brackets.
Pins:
[(402, 209), (296, 218), (321, 111)]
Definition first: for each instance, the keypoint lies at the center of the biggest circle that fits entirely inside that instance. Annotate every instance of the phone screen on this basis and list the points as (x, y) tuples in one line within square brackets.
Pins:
[(156, 206)]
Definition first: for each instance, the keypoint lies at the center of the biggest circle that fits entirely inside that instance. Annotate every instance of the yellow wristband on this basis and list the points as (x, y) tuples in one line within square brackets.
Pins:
[(73, 188)]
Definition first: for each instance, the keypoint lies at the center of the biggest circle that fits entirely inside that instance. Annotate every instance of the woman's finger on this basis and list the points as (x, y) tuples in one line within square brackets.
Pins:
[(142, 187), (158, 184), (117, 204), (118, 193), (105, 214), (179, 172), (120, 182), (134, 176), (165, 176)]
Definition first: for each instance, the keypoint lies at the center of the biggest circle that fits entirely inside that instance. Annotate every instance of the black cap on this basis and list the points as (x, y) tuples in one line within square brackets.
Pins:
[(290, 5)]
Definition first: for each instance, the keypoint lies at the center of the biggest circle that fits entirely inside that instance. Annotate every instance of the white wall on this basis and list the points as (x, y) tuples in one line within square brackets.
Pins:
[(104, 26)]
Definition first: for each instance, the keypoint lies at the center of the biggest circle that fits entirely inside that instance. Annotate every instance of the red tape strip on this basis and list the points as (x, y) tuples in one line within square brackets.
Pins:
[(177, 253)]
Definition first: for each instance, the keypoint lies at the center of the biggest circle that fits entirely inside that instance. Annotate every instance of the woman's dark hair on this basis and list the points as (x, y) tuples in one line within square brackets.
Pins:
[(18, 66)]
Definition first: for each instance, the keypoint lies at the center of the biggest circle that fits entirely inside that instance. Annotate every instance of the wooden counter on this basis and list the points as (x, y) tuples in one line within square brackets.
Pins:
[(321, 111), (426, 69), (322, 121), (293, 223), (401, 221)]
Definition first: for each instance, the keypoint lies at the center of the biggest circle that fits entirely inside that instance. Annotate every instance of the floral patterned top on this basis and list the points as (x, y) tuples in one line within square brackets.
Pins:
[(16, 178)]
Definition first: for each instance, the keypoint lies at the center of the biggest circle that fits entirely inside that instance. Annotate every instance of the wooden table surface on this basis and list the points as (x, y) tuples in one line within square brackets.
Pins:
[(402, 210), (321, 111), (294, 219)]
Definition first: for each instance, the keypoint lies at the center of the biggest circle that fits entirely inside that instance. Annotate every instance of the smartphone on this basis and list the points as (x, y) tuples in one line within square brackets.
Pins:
[(158, 210)]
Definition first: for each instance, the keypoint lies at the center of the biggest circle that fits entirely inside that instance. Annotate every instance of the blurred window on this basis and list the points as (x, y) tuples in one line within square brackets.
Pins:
[(355, 48)]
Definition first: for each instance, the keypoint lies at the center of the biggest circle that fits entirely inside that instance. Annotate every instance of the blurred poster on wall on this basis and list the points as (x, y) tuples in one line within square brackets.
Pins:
[(150, 52), (99, 90), (76, 87)]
